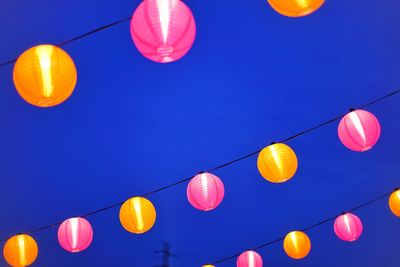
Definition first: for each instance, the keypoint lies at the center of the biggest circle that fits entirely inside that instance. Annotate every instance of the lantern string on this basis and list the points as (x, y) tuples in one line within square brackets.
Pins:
[(330, 219), (76, 38), (391, 94)]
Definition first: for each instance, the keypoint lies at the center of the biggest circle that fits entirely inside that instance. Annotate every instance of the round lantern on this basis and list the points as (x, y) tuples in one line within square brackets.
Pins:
[(20, 251), (296, 8), (208, 265), (394, 203), (75, 234), (277, 163), (45, 75), (205, 191), (163, 31), (249, 259), (359, 130), (137, 215), (297, 245), (348, 227)]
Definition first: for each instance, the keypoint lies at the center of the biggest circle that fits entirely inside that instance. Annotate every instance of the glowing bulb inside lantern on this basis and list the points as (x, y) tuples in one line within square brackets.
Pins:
[(22, 251), (138, 213), (44, 54)]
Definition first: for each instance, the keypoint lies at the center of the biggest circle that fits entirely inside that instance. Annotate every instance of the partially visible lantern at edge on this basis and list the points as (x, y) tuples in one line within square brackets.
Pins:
[(348, 227), (75, 234), (297, 245), (394, 202), (205, 191), (137, 215), (359, 130), (45, 75), (296, 8), (277, 163), (208, 265), (249, 259), (20, 250), (163, 31)]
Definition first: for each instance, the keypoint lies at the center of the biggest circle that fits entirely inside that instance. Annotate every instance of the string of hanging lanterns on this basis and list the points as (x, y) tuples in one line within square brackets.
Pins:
[(297, 244), (358, 130), (162, 30)]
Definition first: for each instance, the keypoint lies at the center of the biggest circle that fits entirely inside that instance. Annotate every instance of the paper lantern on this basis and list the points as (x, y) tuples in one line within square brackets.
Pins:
[(249, 259), (208, 265), (277, 163), (163, 31), (75, 234), (394, 203), (45, 75), (137, 215), (296, 8), (20, 251), (205, 191), (359, 130), (348, 227), (297, 245)]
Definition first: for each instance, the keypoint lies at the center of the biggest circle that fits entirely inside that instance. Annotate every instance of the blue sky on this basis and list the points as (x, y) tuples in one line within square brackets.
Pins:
[(252, 77)]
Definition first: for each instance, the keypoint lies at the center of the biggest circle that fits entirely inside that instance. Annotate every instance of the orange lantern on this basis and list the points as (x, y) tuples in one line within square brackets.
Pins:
[(394, 202), (297, 245), (20, 251), (208, 265), (137, 215), (277, 163), (45, 75), (296, 8)]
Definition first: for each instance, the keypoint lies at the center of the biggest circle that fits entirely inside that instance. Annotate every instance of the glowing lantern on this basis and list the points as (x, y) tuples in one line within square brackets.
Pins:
[(277, 163), (359, 130), (163, 30), (75, 234), (297, 245), (394, 203), (208, 265), (20, 251), (137, 215), (348, 227), (249, 259), (45, 75), (205, 191), (296, 8)]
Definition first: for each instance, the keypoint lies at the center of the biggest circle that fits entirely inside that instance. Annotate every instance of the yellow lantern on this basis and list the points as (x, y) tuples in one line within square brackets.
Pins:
[(137, 215), (394, 202), (208, 265), (45, 75), (20, 251), (297, 245), (296, 8), (277, 163)]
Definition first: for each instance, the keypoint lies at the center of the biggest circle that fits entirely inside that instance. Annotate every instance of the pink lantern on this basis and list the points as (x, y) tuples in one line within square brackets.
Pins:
[(249, 259), (348, 227), (163, 30), (359, 130), (205, 191), (75, 234)]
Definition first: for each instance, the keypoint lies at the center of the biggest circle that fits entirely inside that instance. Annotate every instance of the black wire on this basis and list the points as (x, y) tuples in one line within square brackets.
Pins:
[(367, 203), (220, 166), (99, 29)]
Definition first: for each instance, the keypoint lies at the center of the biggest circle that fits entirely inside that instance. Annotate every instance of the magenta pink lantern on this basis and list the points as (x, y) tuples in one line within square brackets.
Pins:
[(163, 30), (348, 227), (249, 259), (359, 130), (205, 191), (75, 234)]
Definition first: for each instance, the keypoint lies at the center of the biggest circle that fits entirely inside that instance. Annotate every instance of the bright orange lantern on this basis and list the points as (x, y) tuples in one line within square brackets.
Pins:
[(20, 251), (277, 163), (137, 215), (296, 8), (394, 202), (208, 265), (45, 75), (297, 245)]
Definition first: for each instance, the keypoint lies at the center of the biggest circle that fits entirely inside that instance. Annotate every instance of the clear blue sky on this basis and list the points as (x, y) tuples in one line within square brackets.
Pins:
[(252, 77)]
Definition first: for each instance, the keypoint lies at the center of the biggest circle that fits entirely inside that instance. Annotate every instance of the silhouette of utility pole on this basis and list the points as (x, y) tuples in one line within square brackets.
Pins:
[(166, 254)]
